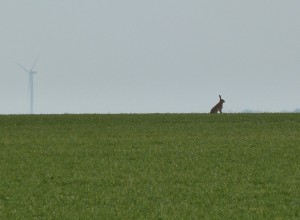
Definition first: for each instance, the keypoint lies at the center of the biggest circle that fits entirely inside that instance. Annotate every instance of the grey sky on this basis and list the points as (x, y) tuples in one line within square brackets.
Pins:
[(142, 56)]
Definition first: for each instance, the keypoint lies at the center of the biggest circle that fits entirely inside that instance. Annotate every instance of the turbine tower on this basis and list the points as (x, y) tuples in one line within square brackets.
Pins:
[(30, 72)]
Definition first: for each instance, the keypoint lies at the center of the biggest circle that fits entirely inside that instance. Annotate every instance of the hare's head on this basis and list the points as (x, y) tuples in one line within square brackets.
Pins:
[(221, 100)]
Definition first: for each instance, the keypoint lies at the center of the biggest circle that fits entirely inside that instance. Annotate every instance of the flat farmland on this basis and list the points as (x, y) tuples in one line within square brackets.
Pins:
[(150, 166)]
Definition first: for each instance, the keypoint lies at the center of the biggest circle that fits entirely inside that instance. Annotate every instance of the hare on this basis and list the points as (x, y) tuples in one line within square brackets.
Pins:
[(218, 107)]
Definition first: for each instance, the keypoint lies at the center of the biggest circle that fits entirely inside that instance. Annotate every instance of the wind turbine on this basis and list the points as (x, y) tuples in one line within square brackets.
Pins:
[(30, 72)]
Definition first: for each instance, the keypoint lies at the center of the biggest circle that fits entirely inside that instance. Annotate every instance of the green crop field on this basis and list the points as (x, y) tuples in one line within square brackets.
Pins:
[(155, 166)]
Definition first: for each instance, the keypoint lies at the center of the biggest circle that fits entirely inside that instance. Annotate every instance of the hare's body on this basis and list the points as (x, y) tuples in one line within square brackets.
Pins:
[(218, 107)]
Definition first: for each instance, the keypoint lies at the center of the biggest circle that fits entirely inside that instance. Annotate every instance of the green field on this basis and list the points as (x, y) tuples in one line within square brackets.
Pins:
[(155, 166)]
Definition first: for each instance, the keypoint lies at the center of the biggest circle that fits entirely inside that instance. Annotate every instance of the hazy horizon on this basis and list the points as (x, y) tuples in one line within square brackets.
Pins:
[(141, 56)]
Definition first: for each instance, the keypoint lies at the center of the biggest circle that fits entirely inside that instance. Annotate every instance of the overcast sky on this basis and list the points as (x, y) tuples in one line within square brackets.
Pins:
[(146, 56)]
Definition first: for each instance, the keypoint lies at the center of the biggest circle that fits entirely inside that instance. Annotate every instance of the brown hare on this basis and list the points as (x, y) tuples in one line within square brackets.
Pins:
[(218, 107)]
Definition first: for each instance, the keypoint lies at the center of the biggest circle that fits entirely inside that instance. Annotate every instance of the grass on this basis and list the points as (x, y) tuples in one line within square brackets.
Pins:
[(156, 166)]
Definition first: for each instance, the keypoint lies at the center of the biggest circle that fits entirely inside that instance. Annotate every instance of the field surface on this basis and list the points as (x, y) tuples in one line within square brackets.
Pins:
[(155, 166)]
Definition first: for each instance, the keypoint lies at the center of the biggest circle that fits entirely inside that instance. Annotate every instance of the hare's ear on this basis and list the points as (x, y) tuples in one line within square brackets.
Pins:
[(220, 96)]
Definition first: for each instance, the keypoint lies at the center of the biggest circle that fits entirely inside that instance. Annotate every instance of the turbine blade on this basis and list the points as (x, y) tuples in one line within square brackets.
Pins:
[(34, 63), (29, 86), (22, 67)]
